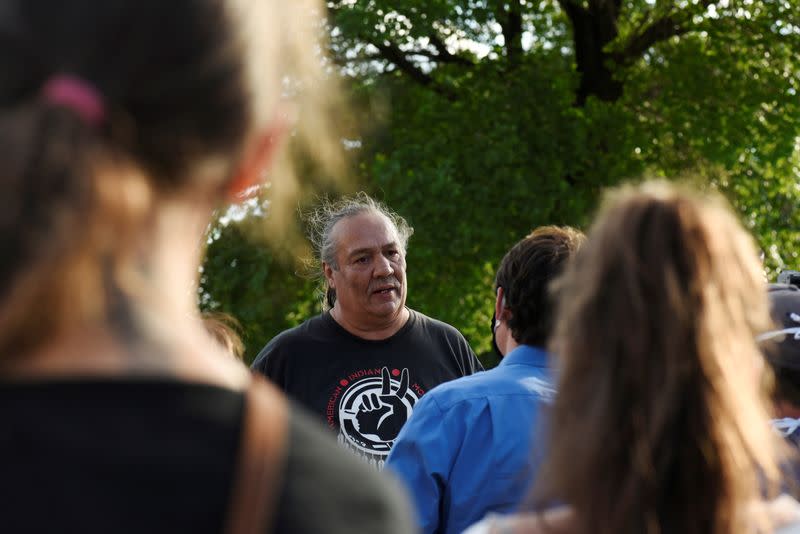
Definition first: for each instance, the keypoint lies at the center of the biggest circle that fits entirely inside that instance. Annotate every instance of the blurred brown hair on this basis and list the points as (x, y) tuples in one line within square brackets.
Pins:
[(659, 424), (224, 328)]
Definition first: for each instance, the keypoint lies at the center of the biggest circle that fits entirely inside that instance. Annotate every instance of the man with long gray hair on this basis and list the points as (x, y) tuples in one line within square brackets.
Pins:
[(364, 362)]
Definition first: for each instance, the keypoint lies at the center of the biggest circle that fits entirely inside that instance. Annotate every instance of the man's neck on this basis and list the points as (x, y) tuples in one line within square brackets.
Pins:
[(510, 345), (373, 332), (504, 339)]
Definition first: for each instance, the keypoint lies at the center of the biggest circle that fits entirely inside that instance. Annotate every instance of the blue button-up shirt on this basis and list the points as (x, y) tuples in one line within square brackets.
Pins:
[(472, 445)]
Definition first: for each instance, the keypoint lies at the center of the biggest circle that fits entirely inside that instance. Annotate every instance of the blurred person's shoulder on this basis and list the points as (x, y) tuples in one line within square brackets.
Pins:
[(782, 515), (328, 489), (554, 521)]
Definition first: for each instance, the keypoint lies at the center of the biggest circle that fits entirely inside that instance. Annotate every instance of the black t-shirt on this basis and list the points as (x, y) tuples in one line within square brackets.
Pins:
[(364, 389), (133, 456)]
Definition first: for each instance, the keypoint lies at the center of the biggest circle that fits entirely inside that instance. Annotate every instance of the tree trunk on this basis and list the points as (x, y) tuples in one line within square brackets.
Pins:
[(592, 30)]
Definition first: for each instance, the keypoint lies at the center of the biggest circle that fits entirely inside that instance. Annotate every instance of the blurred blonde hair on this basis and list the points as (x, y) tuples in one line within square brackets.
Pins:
[(220, 72), (659, 424), (287, 42)]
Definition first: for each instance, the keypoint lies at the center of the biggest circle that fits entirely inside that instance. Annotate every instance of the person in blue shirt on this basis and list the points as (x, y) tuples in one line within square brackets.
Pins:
[(466, 450)]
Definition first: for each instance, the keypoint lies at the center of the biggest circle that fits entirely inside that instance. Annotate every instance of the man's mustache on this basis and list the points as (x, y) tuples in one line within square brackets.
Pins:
[(385, 283)]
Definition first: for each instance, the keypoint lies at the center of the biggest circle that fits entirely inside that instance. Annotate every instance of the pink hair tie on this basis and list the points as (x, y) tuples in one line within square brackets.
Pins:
[(76, 94)]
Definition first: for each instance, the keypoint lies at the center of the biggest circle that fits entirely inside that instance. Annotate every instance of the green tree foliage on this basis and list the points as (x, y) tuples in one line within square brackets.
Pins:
[(265, 291), (498, 116)]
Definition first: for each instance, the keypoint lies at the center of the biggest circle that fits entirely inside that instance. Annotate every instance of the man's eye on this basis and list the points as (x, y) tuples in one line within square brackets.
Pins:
[(394, 253), (362, 259)]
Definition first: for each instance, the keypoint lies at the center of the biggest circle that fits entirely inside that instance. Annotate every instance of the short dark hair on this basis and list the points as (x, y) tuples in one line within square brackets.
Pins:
[(525, 274)]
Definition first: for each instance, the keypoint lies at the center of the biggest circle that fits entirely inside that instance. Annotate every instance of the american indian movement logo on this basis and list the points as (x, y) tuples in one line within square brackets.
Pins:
[(370, 406)]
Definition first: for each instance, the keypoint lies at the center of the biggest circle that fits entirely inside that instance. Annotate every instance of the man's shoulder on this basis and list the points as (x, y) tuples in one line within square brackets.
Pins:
[(308, 331), (443, 341), (310, 328), (495, 385), (434, 325)]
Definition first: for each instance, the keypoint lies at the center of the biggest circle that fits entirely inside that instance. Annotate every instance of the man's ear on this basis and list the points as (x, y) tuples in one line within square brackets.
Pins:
[(258, 156), (500, 311), (328, 271)]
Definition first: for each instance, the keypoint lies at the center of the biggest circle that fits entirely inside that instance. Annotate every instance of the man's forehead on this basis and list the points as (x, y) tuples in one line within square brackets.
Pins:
[(365, 231)]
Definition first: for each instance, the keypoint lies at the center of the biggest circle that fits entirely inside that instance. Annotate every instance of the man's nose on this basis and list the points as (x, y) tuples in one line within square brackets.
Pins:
[(383, 268)]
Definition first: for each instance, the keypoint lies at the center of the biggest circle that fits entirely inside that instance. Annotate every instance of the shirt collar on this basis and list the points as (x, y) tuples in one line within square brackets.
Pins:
[(526, 355)]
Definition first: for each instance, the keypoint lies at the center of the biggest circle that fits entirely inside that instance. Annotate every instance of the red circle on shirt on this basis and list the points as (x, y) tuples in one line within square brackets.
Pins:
[(395, 372), (343, 382)]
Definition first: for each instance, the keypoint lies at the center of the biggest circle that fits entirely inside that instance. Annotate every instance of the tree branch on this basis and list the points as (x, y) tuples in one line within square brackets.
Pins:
[(408, 55), (445, 56), (393, 54), (660, 30)]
